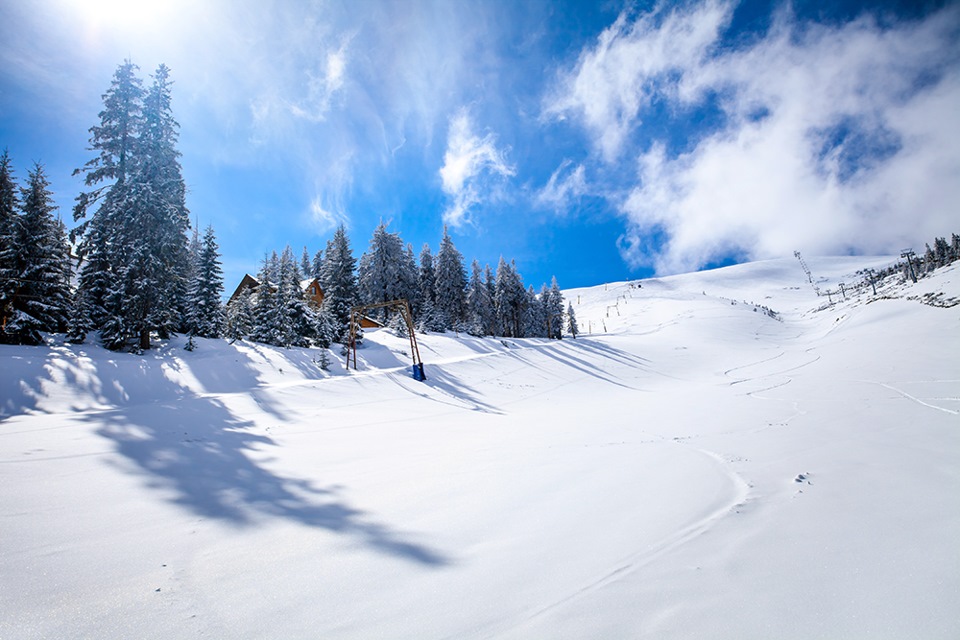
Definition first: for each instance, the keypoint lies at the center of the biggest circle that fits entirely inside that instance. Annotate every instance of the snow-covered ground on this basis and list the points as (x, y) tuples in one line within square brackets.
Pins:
[(688, 467)]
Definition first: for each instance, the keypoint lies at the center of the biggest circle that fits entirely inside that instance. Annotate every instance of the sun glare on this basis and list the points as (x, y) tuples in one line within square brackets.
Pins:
[(123, 14)]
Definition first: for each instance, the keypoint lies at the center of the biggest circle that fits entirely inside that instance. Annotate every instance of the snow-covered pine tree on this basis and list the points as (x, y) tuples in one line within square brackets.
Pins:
[(424, 309), (306, 269), (316, 267), (553, 309), (43, 262), (408, 288), (204, 309), (942, 251), (299, 320), (929, 260), (479, 303), (339, 282), (9, 232), (135, 279), (450, 283), (426, 276), (572, 326), (490, 281), (380, 267), (240, 317), (160, 221), (107, 176), (535, 317), (269, 322), (510, 300)]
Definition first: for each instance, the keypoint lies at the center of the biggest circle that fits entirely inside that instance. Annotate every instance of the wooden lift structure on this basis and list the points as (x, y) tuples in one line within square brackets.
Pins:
[(403, 307)]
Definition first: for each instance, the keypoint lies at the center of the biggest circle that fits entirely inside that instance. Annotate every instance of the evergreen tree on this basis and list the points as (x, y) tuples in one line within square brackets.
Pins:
[(204, 310), (553, 310), (43, 259), (299, 321), (306, 269), (572, 327), (535, 317), (159, 262), (316, 268), (135, 280), (240, 318), (942, 251), (490, 281), (426, 277), (450, 283), (9, 234), (269, 325), (380, 270), (510, 300), (929, 260), (339, 282), (408, 289), (115, 140), (479, 303)]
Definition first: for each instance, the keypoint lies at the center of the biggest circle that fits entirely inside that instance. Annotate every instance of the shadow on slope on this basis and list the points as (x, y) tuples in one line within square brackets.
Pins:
[(192, 448), (197, 450)]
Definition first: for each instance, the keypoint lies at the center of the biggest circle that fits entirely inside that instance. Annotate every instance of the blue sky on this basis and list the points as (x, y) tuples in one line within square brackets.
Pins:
[(594, 141)]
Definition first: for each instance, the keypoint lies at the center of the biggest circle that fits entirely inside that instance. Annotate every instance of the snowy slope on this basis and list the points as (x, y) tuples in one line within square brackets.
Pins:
[(689, 467)]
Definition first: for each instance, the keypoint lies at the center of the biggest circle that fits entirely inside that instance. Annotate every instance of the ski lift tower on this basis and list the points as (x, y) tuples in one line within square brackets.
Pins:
[(401, 306)]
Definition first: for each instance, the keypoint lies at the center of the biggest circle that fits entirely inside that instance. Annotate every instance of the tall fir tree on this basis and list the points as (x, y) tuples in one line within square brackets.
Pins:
[(339, 282), (553, 310), (479, 303), (490, 281), (204, 309), (510, 300), (450, 283), (572, 327), (426, 291), (9, 234), (269, 326), (379, 277), (316, 267), (306, 269), (42, 300), (161, 211), (409, 285), (239, 317), (135, 277), (106, 175)]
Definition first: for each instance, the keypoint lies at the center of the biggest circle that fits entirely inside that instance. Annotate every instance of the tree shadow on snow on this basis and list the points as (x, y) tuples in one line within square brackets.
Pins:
[(194, 450)]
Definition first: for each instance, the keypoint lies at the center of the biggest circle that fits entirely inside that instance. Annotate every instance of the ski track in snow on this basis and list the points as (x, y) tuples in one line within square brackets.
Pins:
[(641, 558)]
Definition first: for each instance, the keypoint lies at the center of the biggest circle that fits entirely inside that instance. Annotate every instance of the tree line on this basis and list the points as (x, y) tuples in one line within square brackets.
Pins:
[(141, 274), (441, 294)]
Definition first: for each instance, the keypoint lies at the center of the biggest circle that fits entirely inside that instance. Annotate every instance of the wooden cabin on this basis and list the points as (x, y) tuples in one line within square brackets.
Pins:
[(310, 286)]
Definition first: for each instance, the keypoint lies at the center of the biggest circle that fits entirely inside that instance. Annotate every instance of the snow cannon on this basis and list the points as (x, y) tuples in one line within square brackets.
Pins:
[(418, 374)]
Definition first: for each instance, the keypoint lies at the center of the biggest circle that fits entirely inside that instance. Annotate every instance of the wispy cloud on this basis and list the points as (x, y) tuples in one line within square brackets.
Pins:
[(632, 63), (469, 162), (322, 86), (564, 187), (834, 139)]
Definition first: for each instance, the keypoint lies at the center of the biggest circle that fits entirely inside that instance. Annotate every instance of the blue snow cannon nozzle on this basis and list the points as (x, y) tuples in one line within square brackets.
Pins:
[(418, 372)]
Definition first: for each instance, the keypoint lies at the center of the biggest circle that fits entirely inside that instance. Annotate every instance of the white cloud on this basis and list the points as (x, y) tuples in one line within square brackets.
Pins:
[(467, 165), (563, 187), (323, 219), (836, 139), (630, 64), (322, 87)]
